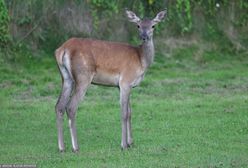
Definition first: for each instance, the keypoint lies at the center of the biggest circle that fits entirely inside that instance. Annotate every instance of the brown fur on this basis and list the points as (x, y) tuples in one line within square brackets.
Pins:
[(101, 56)]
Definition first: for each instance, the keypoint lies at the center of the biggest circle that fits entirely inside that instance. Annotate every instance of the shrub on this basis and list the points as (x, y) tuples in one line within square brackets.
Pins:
[(4, 24)]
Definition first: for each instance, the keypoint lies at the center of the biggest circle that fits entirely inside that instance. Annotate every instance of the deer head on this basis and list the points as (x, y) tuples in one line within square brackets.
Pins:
[(145, 26)]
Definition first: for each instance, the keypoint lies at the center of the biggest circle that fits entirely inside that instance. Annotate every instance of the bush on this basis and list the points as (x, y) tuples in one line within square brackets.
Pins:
[(4, 21), (46, 24)]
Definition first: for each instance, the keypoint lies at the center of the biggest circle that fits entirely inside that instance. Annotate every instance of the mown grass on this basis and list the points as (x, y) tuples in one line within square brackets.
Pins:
[(186, 113)]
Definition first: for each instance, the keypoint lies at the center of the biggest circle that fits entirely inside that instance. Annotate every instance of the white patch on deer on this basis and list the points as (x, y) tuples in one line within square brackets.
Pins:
[(67, 63), (72, 137), (60, 146)]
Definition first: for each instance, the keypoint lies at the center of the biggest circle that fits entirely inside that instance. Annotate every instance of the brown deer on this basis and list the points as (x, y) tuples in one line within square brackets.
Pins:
[(85, 61)]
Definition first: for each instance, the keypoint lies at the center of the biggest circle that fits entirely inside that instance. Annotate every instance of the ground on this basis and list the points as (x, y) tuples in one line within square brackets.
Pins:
[(186, 113)]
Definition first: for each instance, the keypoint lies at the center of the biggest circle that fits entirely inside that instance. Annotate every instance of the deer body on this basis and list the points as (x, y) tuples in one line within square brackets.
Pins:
[(85, 61), (107, 61)]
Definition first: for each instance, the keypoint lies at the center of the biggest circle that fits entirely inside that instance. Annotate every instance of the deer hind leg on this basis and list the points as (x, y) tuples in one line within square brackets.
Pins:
[(61, 104), (81, 84)]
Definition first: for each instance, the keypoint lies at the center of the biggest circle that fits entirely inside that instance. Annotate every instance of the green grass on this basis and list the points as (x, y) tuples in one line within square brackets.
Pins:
[(185, 114)]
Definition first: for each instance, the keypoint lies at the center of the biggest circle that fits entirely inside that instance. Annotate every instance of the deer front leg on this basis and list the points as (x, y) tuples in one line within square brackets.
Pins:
[(129, 127), (124, 99)]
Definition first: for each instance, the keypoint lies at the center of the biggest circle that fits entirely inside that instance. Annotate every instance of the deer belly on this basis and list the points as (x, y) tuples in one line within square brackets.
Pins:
[(106, 79)]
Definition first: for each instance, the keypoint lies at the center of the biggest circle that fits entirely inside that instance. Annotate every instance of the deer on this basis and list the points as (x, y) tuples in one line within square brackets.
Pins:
[(85, 61)]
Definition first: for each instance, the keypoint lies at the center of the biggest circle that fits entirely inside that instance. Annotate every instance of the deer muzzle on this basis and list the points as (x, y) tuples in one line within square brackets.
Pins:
[(144, 36)]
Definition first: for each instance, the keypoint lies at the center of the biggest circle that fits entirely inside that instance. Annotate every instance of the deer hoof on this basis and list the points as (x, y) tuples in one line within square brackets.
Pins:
[(75, 150), (126, 147), (61, 150), (130, 145)]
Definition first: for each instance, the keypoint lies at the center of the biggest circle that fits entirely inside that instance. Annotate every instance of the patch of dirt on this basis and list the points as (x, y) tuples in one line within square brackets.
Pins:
[(6, 84), (24, 95)]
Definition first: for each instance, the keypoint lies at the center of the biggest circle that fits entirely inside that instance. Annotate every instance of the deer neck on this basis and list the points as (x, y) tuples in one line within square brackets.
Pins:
[(147, 53)]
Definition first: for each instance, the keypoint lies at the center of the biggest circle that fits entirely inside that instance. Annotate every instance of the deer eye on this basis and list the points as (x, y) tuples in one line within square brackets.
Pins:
[(138, 26), (153, 26)]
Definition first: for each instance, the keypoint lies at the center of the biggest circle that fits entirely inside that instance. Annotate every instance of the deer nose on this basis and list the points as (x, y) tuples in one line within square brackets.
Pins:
[(144, 36)]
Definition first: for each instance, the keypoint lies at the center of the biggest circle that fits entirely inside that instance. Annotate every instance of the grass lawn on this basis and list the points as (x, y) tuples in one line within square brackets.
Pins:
[(186, 113)]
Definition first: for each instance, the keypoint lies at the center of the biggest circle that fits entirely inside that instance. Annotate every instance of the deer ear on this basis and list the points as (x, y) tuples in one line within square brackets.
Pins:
[(132, 16), (160, 16)]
